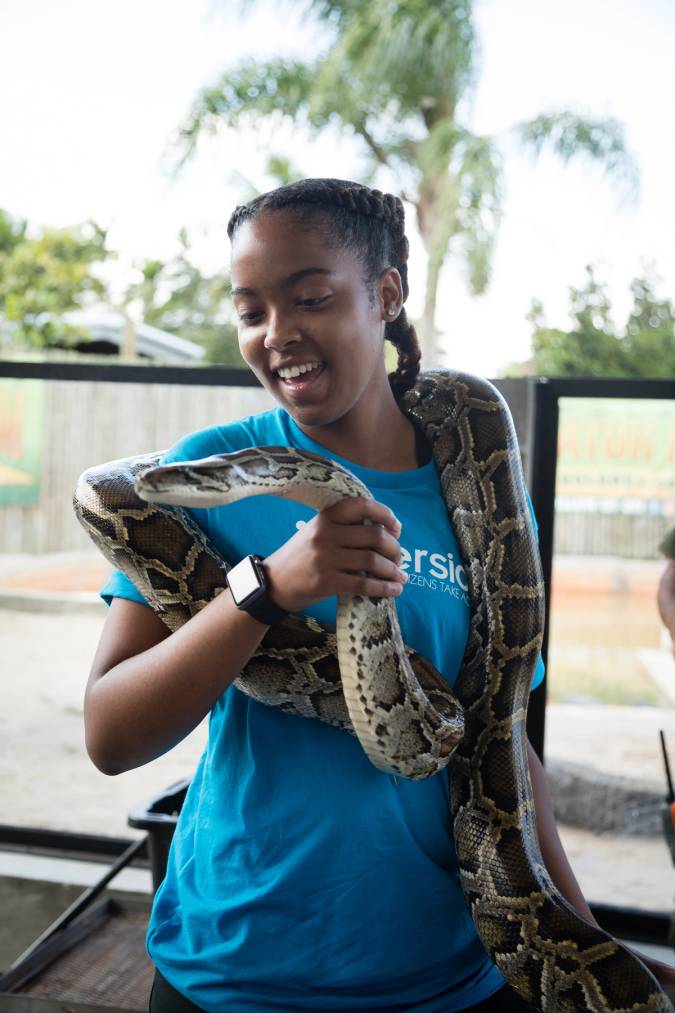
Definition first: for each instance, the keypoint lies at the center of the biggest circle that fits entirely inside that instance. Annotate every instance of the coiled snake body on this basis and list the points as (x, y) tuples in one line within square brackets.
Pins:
[(402, 711)]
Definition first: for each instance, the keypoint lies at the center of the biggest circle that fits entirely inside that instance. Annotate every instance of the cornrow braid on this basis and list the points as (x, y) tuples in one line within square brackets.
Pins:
[(369, 223)]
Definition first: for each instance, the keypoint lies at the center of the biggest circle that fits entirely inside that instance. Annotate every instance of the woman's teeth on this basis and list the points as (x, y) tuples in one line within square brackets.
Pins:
[(292, 371)]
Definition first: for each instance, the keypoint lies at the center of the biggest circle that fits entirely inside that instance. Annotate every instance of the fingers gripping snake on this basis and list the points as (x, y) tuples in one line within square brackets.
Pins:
[(402, 711)]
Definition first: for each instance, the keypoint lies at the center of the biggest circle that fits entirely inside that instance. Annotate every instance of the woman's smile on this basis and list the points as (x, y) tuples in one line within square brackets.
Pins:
[(298, 384)]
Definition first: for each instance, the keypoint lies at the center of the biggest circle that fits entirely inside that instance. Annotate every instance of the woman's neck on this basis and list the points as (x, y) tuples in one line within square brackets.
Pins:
[(374, 435)]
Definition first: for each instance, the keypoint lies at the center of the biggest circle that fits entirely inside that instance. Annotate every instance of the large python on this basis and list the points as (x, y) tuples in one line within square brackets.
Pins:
[(551, 956)]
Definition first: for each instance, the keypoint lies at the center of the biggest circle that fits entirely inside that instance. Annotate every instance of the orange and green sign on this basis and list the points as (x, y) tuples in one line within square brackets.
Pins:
[(20, 441), (617, 449)]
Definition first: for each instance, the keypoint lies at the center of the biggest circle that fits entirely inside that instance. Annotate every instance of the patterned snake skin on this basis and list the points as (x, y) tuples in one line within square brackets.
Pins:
[(401, 731), (551, 956)]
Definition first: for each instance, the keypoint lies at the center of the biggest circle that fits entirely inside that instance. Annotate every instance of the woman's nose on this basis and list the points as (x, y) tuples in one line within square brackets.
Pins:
[(281, 332)]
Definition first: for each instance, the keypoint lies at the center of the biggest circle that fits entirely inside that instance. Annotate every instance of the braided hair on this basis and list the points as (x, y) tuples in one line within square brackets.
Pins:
[(368, 223)]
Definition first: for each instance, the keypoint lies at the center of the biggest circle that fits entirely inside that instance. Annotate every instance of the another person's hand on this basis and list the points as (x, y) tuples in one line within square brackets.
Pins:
[(666, 599), (664, 973), (331, 553)]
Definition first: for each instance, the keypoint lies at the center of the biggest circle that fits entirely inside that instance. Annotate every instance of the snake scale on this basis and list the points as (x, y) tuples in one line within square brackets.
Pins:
[(406, 717)]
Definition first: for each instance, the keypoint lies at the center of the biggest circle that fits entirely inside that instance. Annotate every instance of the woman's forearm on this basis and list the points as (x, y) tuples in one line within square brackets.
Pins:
[(552, 850), (142, 706), (559, 867)]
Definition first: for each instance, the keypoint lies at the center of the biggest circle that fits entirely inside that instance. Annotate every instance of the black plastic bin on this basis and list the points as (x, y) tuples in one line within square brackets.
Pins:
[(159, 815)]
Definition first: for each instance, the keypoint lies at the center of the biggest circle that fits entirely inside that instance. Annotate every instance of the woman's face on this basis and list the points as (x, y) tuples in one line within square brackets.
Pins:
[(301, 302)]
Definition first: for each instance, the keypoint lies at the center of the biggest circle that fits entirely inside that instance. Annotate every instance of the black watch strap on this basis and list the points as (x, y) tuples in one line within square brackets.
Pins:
[(265, 611)]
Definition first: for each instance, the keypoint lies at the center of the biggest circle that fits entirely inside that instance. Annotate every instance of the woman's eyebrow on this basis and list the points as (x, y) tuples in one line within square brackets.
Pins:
[(287, 282)]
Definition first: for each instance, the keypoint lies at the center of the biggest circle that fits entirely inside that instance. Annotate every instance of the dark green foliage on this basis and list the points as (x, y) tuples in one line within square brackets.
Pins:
[(45, 275), (593, 347), (178, 297)]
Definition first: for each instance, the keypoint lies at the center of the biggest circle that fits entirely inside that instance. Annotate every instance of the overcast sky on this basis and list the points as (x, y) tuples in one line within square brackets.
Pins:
[(91, 91)]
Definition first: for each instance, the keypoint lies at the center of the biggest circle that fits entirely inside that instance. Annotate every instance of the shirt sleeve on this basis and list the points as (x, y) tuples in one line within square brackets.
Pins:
[(190, 448), (118, 585), (540, 670), (539, 673)]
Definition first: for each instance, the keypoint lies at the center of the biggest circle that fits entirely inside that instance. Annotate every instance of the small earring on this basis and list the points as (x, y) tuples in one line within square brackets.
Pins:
[(391, 311)]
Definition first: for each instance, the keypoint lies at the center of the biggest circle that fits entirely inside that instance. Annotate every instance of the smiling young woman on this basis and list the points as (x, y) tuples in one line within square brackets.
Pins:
[(300, 877), (327, 297)]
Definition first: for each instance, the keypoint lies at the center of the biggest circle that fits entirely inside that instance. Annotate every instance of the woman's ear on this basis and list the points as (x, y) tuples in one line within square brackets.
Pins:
[(390, 294)]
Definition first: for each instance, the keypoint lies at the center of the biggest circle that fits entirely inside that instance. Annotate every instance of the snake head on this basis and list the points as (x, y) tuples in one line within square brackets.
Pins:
[(224, 478), (170, 483)]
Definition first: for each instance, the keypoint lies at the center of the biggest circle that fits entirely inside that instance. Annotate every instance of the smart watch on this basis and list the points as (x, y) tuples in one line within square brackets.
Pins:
[(248, 584)]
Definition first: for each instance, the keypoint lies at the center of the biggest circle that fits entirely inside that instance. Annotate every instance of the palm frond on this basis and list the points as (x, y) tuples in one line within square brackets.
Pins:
[(278, 87), (435, 152), (480, 177), (570, 135), (281, 170), (424, 53)]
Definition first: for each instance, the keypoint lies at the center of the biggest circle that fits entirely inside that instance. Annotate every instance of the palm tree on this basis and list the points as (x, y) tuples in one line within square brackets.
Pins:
[(393, 74)]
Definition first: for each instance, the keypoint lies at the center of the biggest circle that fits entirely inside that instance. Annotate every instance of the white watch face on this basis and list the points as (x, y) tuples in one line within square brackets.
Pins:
[(243, 580)]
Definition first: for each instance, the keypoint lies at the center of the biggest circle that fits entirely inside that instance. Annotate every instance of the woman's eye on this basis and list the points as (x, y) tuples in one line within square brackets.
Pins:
[(253, 316)]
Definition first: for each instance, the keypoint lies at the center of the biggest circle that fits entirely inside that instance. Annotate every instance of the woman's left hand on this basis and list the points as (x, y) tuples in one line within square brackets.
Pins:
[(664, 973)]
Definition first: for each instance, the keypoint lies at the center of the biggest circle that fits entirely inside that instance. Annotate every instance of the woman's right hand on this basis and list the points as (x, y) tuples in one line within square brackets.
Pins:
[(147, 689), (331, 553)]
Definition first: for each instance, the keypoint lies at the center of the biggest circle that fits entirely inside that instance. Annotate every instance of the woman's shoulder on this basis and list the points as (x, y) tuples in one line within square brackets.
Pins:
[(264, 429)]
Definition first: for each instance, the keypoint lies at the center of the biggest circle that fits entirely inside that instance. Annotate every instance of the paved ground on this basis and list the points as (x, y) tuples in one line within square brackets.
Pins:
[(47, 779)]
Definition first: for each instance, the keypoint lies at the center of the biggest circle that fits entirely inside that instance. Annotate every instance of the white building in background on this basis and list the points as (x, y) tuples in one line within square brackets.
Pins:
[(113, 334)]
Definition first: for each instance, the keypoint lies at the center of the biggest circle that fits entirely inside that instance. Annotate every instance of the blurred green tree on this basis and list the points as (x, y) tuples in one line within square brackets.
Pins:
[(394, 75), (178, 297), (45, 275), (593, 347)]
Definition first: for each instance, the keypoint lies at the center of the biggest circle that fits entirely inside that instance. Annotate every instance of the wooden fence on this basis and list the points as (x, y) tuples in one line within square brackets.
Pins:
[(86, 423), (630, 536)]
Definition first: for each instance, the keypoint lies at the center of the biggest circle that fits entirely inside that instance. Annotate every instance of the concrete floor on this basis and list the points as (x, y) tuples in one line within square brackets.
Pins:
[(29, 907), (33, 904)]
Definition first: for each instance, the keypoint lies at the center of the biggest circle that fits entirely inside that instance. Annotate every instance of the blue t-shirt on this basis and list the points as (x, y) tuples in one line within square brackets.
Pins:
[(300, 877)]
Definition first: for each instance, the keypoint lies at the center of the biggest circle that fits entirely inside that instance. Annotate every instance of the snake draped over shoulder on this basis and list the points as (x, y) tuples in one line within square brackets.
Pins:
[(359, 676)]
